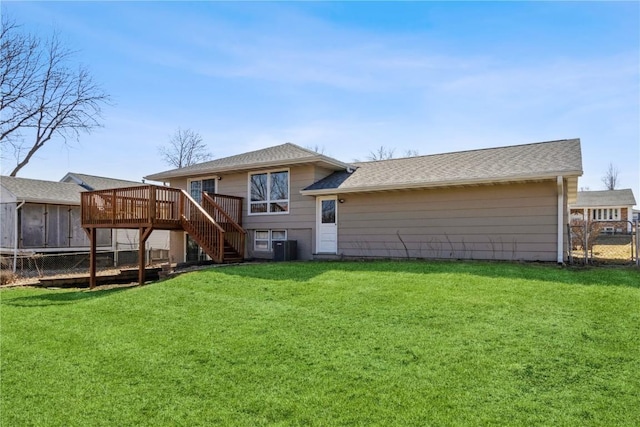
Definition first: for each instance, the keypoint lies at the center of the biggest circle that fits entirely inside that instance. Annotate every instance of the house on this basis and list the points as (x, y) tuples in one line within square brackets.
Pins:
[(507, 203), (612, 208), (41, 216)]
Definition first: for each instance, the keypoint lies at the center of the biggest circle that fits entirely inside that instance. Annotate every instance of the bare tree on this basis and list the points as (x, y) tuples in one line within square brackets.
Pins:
[(382, 153), (385, 153), (317, 148), (42, 96), (610, 178), (185, 148)]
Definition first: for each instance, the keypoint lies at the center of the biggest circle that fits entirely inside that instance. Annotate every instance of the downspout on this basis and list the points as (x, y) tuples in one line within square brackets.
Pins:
[(560, 247), (15, 236)]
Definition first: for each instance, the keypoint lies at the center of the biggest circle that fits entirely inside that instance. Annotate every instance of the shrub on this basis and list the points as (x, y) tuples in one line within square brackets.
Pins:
[(578, 238), (7, 277)]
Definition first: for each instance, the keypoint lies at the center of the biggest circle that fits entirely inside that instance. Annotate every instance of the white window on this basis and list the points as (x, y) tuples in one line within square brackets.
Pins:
[(264, 239), (605, 214), (269, 192)]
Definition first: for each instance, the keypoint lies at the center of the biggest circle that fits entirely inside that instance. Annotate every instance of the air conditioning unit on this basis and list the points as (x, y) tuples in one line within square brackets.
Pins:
[(285, 250)]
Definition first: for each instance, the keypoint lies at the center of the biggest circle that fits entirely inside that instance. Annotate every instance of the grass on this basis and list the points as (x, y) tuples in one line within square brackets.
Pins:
[(330, 343)]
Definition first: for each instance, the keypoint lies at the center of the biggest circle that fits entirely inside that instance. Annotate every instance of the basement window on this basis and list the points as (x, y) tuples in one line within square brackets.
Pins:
[(264, 239)]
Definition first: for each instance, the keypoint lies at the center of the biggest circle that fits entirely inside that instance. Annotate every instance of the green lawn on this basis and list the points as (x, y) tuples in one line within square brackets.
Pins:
[(329, 343)]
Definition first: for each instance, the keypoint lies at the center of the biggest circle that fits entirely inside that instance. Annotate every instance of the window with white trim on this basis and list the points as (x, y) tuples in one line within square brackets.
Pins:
[(605, 214), (263, 240), (269, 192)]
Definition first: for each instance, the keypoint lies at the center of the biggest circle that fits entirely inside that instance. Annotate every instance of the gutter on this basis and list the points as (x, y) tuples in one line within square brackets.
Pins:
[(15, 236), (560, 238)]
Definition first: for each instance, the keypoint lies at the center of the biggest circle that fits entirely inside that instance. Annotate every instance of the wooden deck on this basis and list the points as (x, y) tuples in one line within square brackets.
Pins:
[(133, 207), (216, 224)]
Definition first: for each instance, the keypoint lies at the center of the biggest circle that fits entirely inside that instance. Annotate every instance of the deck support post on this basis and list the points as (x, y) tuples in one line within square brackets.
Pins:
[(144, 234), (91, 232)]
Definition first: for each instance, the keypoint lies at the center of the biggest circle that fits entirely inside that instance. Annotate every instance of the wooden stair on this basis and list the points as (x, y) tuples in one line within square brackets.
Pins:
[(208, 241), (216, 224), (222, 241), (231, 256)]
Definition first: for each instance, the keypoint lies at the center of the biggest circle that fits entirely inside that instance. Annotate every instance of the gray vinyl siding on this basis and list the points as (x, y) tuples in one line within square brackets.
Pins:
[(180, 183), (502, 222), (301, 208), (299, 222), (507, 222)]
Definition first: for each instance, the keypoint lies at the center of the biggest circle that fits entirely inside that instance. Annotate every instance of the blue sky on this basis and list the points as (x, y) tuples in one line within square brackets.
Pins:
[(350, 77)]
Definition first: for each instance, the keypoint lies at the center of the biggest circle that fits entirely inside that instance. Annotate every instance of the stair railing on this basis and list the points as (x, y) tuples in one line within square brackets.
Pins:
[(234, 235), (203, 228), (232, 205)]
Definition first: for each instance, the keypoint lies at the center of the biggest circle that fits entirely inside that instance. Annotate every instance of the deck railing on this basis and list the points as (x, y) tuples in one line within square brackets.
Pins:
[(147, 204), (234, 233), (231, 205)]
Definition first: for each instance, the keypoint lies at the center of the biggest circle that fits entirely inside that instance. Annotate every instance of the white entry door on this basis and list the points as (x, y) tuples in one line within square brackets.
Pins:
[(327, 225)]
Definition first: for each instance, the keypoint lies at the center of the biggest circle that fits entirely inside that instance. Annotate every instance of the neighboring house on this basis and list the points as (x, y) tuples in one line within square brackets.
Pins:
[(508, 203), (45, 217), (612, 208), (42, 216)]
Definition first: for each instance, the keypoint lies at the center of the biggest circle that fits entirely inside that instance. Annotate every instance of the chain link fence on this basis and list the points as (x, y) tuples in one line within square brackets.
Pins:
[(41, 265), (600, 242)]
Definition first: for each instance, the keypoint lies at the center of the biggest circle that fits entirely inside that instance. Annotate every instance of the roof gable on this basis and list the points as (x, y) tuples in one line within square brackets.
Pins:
[(587, 199), (279, 155), (502, 164)]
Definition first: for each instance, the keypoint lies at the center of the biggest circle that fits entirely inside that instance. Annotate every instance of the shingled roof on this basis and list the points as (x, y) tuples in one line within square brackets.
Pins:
[(542, 160), (92, 182), (588, 199), (65, 192), (39, 191), (280, 155)]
